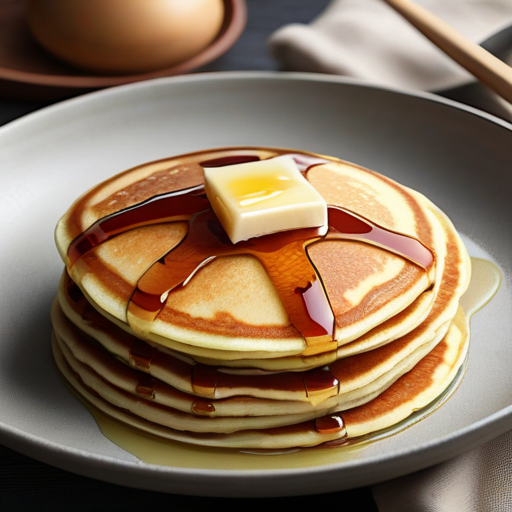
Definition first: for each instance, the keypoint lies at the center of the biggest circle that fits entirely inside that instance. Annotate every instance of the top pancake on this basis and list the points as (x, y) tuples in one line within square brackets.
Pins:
[(230, 309)]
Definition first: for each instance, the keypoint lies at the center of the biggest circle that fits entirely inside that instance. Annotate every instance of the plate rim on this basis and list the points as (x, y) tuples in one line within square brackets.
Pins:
[(206, 76), (87, 464)]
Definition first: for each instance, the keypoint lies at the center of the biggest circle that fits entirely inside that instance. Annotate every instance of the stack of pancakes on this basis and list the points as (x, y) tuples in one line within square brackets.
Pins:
[(221, 364)]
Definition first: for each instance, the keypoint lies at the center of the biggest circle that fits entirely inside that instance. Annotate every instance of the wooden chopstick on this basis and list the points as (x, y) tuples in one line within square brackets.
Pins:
[(479, 62)]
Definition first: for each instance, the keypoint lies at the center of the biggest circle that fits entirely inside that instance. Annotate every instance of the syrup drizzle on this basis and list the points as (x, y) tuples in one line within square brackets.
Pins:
[(330, 424), (145, 387), (486, 279), (141, 355), (205, 380), (316, 384), (318, 381), (300, 288), (169, 207)]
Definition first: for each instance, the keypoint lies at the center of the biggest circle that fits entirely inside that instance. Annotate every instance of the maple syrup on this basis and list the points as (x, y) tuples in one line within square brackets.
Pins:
[(485, 282), (315, 384), (300, 288), (304, 297)]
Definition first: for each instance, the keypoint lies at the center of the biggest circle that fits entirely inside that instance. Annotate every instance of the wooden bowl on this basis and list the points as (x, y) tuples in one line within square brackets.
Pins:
[(27, 71)]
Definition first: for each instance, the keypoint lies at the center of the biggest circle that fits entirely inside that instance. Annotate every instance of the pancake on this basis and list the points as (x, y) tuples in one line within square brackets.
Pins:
[(414, 390), (163, 323), (231, 310), (326, 389)]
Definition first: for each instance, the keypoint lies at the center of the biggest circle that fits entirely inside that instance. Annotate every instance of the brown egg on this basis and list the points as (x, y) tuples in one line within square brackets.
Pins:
[(125, 36)]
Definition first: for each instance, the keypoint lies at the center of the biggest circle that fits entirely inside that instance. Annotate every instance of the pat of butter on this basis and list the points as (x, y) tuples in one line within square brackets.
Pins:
[(259, 198)]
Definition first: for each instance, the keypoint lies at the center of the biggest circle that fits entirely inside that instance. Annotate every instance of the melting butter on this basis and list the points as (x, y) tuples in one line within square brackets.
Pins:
[(263, 197)]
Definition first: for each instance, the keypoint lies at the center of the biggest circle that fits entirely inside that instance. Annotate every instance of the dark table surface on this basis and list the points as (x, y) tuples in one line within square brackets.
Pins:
[(27, 484)]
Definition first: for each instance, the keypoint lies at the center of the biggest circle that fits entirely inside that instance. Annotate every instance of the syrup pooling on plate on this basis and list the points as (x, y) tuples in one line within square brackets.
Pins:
[(300, 288)]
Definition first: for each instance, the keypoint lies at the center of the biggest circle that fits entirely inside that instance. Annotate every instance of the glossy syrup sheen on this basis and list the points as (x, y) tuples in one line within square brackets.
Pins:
[(205, 381), (300, 288), (343, 225), (485, 282)]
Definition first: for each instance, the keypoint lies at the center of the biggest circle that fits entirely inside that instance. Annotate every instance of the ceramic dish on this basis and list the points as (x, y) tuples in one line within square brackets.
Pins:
[(457, 156), (29, 72)]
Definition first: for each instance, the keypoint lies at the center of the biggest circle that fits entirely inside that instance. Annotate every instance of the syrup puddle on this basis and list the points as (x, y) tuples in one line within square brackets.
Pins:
[(154, 450), (485, 282)]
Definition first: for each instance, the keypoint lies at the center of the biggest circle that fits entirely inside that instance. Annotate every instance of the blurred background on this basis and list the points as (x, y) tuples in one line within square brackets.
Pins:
[(26, 69)]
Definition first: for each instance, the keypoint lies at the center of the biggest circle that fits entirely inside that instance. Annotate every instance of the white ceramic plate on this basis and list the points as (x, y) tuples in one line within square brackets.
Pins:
[(458, 157)]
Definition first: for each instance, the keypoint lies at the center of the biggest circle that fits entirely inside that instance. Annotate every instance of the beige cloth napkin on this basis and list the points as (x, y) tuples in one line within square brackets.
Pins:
[(367, 40), (478, 481)]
